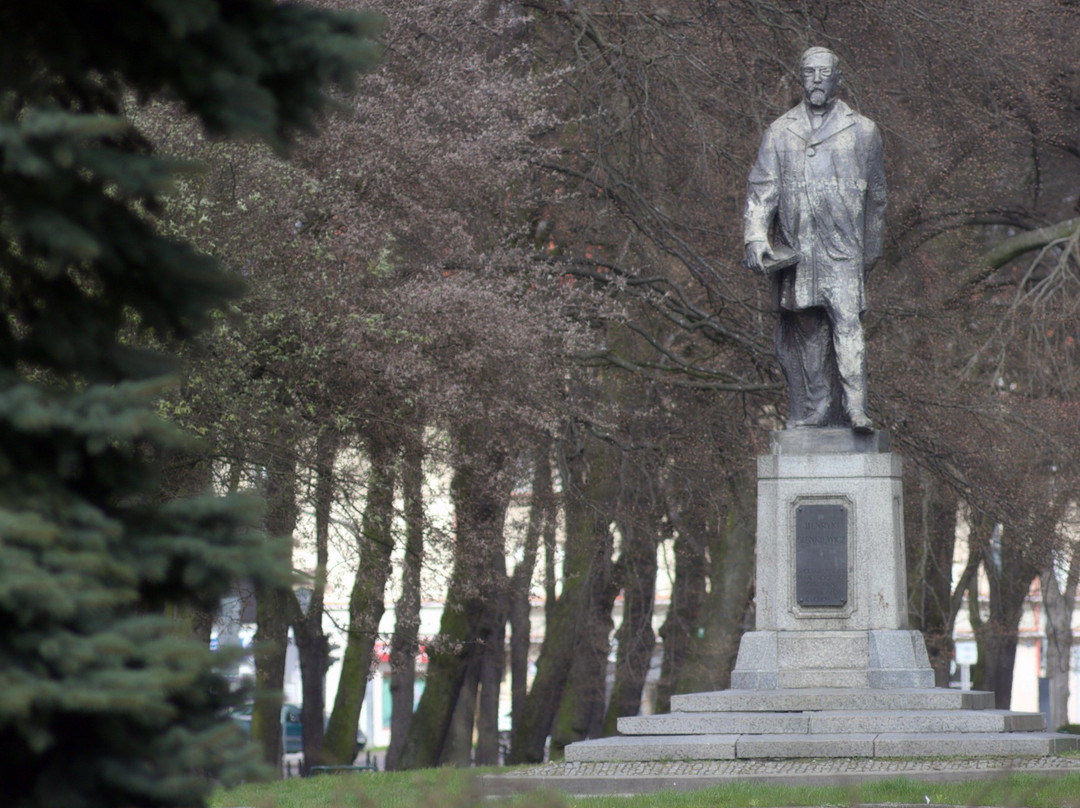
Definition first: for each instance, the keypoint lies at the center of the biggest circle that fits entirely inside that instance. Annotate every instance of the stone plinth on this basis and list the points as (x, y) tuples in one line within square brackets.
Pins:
[(831, 596), (867, 489), (831, 669)]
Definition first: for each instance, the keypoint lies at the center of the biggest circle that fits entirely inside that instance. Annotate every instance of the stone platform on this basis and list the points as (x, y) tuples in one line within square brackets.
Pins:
[(626, 778), (831, 670), (828, 723)]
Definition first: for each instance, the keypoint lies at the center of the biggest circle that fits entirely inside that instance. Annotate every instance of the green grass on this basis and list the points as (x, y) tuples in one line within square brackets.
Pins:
[(455, 788), (1016, 790), (427, 788)]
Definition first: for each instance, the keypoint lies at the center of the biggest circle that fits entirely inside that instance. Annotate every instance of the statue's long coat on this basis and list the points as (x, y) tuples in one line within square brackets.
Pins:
[(826, 190)]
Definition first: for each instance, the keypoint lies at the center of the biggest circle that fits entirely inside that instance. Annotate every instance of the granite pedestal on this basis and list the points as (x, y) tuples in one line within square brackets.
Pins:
[(831, 668), (831, 592)]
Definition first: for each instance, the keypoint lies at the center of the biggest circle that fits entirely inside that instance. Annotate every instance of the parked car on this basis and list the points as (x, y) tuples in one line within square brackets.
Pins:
[(291, 729)]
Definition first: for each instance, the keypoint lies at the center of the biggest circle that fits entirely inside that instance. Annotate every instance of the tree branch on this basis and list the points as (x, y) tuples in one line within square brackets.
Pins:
[(1008, 249)]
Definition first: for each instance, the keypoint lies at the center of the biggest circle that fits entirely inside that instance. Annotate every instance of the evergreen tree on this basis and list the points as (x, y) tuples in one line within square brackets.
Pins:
[(105, 697)]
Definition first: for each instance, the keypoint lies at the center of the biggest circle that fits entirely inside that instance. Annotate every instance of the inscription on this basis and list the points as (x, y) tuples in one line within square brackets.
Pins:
[(821, 563)]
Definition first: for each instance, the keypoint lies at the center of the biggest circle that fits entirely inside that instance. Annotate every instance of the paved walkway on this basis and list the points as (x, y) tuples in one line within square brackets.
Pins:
[(583, 779)]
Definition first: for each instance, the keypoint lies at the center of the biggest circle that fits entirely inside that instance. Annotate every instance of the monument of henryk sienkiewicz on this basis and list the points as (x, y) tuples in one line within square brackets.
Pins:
[(831, 668)]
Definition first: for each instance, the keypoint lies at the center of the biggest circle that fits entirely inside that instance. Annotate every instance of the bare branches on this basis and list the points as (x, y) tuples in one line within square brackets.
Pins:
[(672, 376)]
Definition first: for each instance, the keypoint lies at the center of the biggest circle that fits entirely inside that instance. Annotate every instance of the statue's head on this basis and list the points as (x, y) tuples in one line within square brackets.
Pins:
[(819, 74)]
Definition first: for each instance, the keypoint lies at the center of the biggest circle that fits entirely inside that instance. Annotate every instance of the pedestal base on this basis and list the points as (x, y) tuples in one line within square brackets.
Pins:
[(861, 659), (832, 669), (831, 589)]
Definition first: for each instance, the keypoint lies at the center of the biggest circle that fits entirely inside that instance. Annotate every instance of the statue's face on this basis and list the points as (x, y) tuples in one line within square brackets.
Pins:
[(820, 76)]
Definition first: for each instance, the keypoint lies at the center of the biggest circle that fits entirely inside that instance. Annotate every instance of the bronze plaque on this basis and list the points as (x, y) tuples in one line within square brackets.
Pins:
[(821, 556)]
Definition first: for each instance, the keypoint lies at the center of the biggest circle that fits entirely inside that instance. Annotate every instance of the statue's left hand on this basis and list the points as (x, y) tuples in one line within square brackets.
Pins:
[(755, 256)]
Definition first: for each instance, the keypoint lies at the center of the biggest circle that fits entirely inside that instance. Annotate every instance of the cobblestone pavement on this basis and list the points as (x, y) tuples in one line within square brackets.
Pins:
[(636, 778)]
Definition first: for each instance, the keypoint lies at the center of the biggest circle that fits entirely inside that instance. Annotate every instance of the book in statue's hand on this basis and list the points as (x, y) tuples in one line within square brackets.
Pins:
[(782, 258)]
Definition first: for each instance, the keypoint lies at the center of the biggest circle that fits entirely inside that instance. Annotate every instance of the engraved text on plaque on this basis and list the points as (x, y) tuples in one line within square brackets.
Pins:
[(821, 555)]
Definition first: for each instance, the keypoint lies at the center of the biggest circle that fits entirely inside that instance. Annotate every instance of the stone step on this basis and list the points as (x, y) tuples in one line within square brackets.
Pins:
[(717, 724), (851, 745), (650, 747), (925, 721), (974, 744), (897, 744), (833, 722), (863, 745), (826, 698)]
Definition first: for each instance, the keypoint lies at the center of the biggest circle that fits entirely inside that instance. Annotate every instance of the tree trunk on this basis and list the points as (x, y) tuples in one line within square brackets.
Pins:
[(1059, 604), (313, 649), (375, 543), (582, 706), (1010, 578), (688, 592), (183, 476), (312, 644), (541, 522), (550, 553), (640, 526), (271, 640), (475, 614), (457, 749), (404, 645), (581, 711), (590, 489), (930, 539), (491, 672), (274, 612), (448, 665), (715, 644)]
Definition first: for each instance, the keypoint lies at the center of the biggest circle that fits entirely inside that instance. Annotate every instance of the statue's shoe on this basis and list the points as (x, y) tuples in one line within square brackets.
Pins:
[(860, 422), (814, 419)]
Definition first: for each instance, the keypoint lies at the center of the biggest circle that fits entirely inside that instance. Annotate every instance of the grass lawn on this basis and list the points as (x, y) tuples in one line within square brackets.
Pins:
[(427, 788), (456, 788)]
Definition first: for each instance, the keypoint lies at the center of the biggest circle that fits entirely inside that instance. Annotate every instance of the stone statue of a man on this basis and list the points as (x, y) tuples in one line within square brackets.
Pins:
[(814, 220)]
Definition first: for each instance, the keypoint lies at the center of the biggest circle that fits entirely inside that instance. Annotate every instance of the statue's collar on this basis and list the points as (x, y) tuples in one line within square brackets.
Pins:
[(837, 119)]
